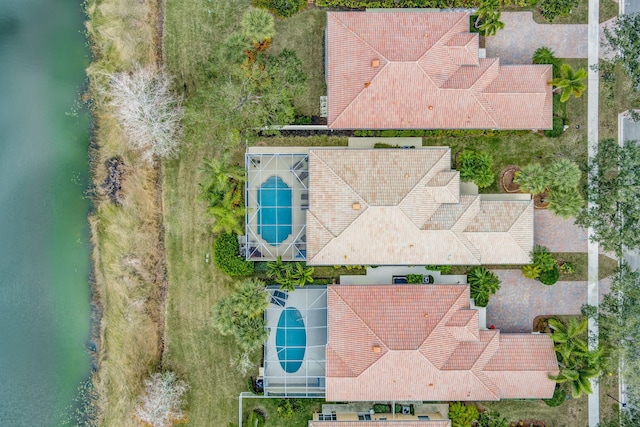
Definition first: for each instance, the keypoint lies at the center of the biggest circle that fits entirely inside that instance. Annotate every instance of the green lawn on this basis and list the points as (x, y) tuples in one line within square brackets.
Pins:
[(572, 413), (580, 14), (616, 96), (304, 33)]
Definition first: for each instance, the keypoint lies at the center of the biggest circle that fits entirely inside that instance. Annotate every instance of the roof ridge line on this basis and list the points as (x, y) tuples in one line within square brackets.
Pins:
[(496, 336), (437, 325), (489, 113), (325, 228), (338, 176), (484, 384), (445, 151), (359, 37), (353, 374), (358, 316), (361, 92), (443, 36)]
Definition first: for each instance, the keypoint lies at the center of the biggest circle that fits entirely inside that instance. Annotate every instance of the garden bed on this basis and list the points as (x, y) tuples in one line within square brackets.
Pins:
[(507, 177)]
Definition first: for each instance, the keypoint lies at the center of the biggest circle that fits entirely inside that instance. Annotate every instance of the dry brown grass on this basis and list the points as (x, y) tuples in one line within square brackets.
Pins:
[(128, 262)]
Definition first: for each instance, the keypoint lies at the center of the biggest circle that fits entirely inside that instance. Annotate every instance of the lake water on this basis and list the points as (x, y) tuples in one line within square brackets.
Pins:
[(44, 256)]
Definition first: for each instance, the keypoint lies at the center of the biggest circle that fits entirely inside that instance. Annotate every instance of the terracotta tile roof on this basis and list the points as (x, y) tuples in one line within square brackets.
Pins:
[(395, 342), (389, 423), (404, 207), (422, 71)]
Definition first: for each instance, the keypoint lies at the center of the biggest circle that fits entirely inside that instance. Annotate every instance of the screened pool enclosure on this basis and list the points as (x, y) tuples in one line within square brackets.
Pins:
[(277, 198)]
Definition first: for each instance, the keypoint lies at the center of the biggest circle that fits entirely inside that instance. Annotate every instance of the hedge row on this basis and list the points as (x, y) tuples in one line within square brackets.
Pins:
[(359, 4), (226, 256), (437, 133)]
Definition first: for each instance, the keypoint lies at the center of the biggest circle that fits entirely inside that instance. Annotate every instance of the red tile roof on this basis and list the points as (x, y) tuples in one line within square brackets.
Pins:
[(408, 70), (405, 342)]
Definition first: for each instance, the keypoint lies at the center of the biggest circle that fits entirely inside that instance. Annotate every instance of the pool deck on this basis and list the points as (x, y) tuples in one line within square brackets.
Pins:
[(311, 302)]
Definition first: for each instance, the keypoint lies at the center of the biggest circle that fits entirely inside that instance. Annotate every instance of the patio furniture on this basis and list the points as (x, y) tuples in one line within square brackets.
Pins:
[(279, 298), (304, 196), (302, 176)]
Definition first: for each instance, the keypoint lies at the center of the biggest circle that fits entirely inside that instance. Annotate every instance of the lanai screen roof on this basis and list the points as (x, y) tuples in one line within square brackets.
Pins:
[(406, 70), (417, 342), (404, 207)]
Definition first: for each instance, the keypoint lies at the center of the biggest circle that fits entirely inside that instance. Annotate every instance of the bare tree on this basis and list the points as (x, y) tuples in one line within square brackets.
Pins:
[(149, 112), (162, 401)]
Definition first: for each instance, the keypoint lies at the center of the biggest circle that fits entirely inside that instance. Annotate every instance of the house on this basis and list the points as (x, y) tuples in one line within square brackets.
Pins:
[(423, 343), (351, 206), (424, 70), (398, 343)]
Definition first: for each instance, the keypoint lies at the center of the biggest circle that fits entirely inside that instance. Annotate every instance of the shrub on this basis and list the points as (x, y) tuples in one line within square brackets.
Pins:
[(287, 408), (255, 419), (565, 203), (559, 396), (492, 419), (563, 174), (226, 258), (462, 415), (281, 8), (162, 402), (258, 25), (549, 277), (483, 283), (381, 408), (557, 130), (551, 9), (545, 55), (531, 271), (543, 259), (383, 145), (476, 167), (567, 268), (532, 178), (414, 278), (444, 269)]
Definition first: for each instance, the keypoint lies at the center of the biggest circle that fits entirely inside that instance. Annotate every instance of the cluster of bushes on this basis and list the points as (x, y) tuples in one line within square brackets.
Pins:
[(415, 278), (443, 269), (226, 256), (483, 283), (383, 408), (558, 128), (560, 180), (463, 415), (552, 9), (437, 133), (359, 4), (281, 8), (543, 267), (222, 190), (476, 167)]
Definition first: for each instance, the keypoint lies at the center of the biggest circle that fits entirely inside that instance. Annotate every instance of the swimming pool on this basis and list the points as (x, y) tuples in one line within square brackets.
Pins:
[(291, 339), (274, 212)]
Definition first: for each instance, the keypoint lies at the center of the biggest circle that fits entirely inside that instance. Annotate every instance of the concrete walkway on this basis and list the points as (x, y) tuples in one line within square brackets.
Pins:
[(593, 93), (522, 36)]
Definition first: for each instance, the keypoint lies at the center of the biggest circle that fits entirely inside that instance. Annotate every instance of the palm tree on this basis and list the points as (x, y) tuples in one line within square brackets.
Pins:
[(222, 176), (570, 82), (544, 55), (532, 178), (486, 10), (226, 220), (482, 283), (241, 314), (565, 203), (302, 275), (278, 269), (491, 25), (567, 333), (578, 379), (563, 174), (258, 25)]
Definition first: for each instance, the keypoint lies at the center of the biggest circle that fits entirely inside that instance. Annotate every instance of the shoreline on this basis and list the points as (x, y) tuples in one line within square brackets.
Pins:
[(127, 243)]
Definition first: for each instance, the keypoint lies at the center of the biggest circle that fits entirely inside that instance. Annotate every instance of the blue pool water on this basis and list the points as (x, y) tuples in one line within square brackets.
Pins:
[(291, 339), (274, 214)]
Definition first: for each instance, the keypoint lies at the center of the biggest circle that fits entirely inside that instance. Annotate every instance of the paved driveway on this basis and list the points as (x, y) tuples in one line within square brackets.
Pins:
[(557, 234), (522, 36), (630, 6), (520, 300)]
